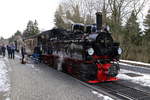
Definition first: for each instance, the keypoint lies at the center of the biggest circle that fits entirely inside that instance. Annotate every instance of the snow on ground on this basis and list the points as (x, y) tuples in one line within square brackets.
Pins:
[(134, 66), (135, 62), (17, 56), (143, 80), (7, 98), (101, 96), (30, 65), (4, 81)]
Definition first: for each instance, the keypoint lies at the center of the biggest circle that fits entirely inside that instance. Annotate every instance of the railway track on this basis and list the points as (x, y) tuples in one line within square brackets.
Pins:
[(121, 91), (125, 92)]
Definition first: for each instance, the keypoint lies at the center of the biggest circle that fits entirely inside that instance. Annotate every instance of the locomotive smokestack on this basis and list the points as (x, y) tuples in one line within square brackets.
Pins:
[(99, 21)]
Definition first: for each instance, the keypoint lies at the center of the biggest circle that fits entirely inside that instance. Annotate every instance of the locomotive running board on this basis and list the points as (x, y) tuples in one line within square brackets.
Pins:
[(100, 81)]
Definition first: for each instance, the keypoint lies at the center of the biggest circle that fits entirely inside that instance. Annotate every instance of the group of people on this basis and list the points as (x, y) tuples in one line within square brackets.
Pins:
[(10, 50)]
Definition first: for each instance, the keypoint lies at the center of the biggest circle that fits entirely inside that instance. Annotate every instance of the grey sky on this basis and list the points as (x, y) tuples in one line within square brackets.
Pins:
[(14, 14)]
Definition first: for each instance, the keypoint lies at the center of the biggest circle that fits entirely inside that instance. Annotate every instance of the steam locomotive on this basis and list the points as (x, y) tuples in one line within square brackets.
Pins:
[(86, 52)]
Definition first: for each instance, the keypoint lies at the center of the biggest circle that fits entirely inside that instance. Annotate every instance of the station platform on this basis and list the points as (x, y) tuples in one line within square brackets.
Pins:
[(40, 82)]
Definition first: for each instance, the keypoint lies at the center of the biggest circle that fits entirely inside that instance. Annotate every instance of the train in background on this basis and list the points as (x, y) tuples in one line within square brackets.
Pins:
[(87, 52)]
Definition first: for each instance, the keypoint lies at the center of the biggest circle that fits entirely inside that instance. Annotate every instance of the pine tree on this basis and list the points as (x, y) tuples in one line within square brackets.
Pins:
[(147, 24), (17, 33), (1, 38), (147, 34), (64, 19), (133, 30), (69, 19), (76, 15), (58, 17), (36, 29), (32, 29), (132, 25), (68, 15)]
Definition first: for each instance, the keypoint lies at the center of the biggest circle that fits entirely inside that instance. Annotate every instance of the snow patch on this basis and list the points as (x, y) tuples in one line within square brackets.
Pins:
[(17, 56), (134, 66), (33, 67), (6, 59), (101, 96), (143, 80), (4, 81), (30, 65), (7, 98), (135, 62)]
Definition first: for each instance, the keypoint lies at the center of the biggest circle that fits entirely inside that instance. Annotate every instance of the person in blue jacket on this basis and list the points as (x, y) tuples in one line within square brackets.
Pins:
[(12, 51), (9, 51)]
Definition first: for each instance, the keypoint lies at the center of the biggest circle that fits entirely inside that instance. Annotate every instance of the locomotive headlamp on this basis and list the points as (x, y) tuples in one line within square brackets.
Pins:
[(90, 51), (119, 51)]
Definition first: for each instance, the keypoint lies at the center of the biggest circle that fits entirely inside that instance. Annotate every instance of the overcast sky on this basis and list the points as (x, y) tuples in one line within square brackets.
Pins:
[(15, 14)]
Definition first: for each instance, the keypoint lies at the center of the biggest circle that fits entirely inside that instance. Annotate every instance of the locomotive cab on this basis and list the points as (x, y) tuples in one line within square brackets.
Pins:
[(78, 28)]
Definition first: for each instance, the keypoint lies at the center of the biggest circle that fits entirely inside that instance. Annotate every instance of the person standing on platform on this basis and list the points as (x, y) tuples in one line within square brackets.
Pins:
[(23, 51), (0, 50), (3, 50), (9, 51), (12, 51)]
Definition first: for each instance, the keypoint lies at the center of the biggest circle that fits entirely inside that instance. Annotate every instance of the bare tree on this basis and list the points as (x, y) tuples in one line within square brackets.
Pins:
[(116, 10)]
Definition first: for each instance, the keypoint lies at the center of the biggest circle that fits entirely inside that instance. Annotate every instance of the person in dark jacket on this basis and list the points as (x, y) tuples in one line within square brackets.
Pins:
[(3, 50), (23, 51), (0, 50), (9, 51)]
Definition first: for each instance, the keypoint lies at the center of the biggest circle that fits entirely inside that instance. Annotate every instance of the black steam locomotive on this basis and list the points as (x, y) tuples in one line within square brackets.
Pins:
[(86, 52)]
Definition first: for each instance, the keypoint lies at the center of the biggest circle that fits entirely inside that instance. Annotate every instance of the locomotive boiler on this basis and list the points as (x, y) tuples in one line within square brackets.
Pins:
[(87, 52)]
